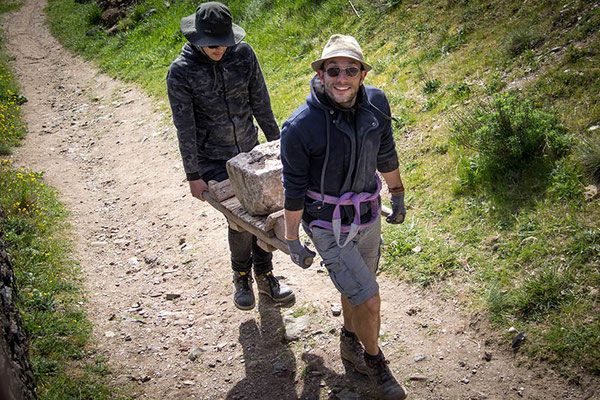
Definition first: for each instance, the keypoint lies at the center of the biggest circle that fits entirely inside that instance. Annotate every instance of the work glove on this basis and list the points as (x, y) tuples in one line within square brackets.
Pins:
[(398, 209), (300, 254)]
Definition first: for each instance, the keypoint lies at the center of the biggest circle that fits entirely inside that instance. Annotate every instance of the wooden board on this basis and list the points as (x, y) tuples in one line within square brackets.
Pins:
[(235, 213)]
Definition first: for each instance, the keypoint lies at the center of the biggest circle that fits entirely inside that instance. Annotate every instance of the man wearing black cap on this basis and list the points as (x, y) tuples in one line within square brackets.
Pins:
[(215, 89)]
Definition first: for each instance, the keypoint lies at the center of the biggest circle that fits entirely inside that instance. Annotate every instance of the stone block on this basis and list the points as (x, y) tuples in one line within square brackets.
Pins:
[(255, 178)]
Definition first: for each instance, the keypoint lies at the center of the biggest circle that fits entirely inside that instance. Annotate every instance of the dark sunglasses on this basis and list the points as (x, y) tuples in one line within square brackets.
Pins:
[(213, 47), (350, 72)]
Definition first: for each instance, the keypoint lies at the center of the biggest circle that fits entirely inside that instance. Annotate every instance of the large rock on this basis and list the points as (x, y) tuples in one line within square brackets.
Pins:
[(16, 373), (255, 179)]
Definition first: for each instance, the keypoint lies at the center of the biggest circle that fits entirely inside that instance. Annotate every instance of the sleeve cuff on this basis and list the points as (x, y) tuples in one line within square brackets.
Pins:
[(388, 166), (193, 176), (293, 203)]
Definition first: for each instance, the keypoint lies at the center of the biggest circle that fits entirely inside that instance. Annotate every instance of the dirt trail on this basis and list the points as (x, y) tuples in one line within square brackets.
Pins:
[(140, 237)]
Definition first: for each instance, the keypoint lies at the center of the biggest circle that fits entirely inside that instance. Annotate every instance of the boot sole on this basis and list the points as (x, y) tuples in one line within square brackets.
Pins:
[(286, 299), (244, 308)]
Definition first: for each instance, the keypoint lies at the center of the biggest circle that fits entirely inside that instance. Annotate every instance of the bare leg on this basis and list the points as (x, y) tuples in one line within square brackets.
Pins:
[(364, 320)]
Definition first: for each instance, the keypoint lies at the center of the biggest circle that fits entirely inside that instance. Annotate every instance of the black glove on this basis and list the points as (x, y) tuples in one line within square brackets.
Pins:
[(300, 254), (398, 209)]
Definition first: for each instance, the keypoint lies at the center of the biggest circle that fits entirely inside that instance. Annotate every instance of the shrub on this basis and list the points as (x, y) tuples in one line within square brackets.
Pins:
[(509, 137), (523, 39), (432, 86)]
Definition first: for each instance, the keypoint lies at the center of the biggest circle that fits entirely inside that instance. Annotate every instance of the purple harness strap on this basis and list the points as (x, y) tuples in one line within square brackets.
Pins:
[(347, 199)]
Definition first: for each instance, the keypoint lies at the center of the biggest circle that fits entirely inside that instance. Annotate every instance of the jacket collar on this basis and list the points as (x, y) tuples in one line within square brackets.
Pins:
[(190, 51)]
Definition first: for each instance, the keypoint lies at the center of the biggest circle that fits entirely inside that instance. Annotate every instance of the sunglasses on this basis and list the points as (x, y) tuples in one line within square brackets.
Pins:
[(214, 47), (350, 72)]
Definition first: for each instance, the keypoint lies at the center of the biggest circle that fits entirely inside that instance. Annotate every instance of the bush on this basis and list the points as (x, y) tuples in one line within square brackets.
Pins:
[(523, 39), (509, 137), (432, 86)]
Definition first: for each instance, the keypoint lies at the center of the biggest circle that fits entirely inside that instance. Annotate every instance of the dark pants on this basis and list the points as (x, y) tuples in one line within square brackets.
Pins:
[(243, 246)]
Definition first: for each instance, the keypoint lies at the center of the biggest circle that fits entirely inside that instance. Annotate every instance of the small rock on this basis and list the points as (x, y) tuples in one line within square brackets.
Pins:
[(336, 310), (487, 356), (417, 249), (512, 329), (593, 128), (518, 340), (418, 378), (172, 296), (465, 381), (109, 334), (195, 353), (419, 357), (295, 328), (591, 192), (221, 346), (413, 310)]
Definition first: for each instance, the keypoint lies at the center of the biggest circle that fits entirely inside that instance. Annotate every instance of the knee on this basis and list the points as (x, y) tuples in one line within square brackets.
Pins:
[(373, 305)]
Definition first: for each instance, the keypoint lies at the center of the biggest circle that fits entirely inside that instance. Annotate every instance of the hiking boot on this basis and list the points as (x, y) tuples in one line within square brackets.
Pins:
[(269, 285), (352, 351), (243, 296), (382, 378)]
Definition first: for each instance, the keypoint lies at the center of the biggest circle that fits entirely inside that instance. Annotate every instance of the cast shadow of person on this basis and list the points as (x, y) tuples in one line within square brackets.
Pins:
[(270, 365), (269, 362)]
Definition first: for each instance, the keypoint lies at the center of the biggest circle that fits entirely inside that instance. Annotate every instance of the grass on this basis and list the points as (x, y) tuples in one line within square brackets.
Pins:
[(529, 252), (51, 299)]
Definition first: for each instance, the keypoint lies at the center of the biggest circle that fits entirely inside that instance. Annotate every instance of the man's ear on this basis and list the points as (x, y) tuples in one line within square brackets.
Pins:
[(363, 74), (320, 74)]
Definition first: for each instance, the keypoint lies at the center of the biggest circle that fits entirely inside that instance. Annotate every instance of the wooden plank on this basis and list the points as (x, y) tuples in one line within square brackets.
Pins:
[(220, 190), (234, 206), (276, 224), (259, 233), (385, 211)]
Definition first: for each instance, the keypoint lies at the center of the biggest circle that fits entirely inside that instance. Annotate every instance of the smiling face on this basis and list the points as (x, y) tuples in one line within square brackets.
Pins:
[(214, 54), (342, 89)]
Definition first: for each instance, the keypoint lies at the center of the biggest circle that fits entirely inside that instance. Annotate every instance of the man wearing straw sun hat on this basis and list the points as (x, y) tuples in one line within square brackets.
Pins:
[(216, 88), (331, 148)]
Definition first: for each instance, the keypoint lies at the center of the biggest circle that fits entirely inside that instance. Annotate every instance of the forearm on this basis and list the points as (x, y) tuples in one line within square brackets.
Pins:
[(292, 223), (393, 181)]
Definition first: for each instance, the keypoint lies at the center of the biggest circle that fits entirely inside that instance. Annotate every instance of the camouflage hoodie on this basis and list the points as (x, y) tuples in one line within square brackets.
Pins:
[(213, 103)]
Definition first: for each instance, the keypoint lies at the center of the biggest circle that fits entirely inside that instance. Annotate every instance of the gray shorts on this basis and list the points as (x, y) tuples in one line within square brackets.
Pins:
[(352, 267)]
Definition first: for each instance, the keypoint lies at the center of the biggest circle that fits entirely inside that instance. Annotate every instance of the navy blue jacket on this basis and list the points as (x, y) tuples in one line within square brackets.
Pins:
[(333, 151)]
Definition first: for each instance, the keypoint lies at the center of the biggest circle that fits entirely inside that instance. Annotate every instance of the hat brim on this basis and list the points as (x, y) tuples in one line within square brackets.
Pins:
[(318, 64), (200, 39)]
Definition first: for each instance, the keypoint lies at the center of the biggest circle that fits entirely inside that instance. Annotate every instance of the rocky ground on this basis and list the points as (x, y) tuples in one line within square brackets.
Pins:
[(156, 266)]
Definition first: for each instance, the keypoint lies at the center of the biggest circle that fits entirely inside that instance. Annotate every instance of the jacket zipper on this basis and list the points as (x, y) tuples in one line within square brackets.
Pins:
[(235, 139)]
